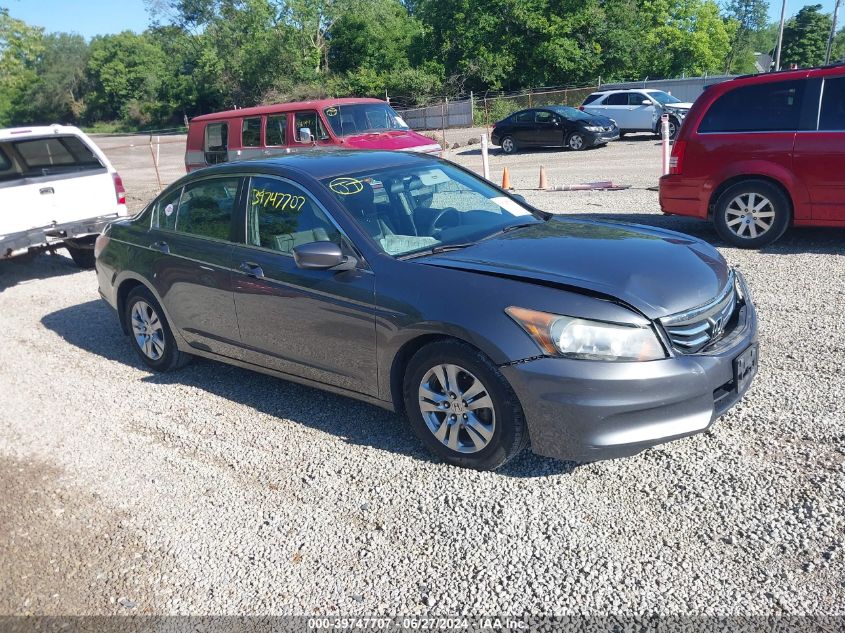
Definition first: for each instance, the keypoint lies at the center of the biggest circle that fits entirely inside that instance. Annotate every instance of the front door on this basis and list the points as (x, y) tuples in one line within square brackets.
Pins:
[(820, 155), (641, 111), (547, 129), (317, 324), (191, 270)]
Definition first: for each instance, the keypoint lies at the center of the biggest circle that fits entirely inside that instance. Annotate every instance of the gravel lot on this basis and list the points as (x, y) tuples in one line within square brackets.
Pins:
[(216, 490)]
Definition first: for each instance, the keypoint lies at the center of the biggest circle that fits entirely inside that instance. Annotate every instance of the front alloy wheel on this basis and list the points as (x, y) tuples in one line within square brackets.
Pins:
[(457, 408), (576, 142), (461, 406)]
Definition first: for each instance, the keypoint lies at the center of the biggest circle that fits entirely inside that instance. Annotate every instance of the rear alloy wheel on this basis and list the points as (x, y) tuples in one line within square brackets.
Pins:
[(576, 142), (151, 336), (752, 214), (508, 145), (462, 408)]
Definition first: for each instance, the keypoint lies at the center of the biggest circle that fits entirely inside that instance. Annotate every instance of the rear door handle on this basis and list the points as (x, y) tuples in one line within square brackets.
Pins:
[(161, 246), (46, 190), (252, 270)]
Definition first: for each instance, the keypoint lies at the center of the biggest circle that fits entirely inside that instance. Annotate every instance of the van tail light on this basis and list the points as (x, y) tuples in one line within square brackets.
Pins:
[(119, 190), (676, 160), (100, 244)]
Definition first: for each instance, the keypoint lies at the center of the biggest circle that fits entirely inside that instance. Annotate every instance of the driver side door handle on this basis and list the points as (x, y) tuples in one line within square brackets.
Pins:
[(162, 247), (252, 270)]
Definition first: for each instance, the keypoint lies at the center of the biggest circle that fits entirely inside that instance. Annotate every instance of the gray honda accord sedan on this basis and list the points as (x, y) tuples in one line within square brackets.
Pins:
[(410, 283)]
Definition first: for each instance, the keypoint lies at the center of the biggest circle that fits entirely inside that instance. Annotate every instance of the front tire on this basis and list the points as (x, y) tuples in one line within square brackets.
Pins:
[(752, 214), (508, 145), (462, 408), (150, 333), (576, 142)]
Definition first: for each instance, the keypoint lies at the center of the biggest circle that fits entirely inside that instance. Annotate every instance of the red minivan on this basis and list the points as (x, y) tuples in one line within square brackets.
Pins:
[(293, 127), (761, 153)]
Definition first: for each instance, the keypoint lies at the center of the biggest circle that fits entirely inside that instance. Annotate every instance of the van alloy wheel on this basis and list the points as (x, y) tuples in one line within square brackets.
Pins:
[(749, 215), (457, 408)]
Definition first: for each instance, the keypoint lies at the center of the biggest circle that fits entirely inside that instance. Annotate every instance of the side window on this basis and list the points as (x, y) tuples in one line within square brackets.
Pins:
[(768, 107), (832, 116), (543, 117), (311, 121), (216, 143), (277, 129), (591, 98), (251, 132), (165, 211), (617, 99), (281, 216), (525, 117), (206, 208), (637, 98)]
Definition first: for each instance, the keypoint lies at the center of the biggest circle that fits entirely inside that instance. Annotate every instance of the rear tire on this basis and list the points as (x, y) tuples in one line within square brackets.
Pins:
[(81, 252), (150, 333), (477, 422), (752, 214)]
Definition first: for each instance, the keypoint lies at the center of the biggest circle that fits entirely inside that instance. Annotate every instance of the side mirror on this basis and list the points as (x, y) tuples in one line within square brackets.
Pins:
[(322, 256), (520, 197), (305, 135), (646, 102)]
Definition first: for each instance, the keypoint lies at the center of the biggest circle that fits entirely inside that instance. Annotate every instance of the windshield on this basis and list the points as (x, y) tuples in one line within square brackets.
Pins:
[(361, 118), (414, 209), (663, 97), (573, 114)]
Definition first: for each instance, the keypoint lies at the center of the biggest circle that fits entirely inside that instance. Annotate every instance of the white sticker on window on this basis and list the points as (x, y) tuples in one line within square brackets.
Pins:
[(510, 206), (168, 210), (433, 177)]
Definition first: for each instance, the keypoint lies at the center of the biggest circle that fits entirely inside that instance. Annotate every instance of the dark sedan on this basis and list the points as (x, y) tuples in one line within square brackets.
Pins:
[(410, 283), (553, 126)]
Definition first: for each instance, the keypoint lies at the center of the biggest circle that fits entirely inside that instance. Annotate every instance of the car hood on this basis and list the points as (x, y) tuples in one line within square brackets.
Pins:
[(392, 140), (657, 272), (596, 119)]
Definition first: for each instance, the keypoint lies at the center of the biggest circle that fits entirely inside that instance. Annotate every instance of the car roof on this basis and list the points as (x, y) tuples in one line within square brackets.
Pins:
[(317, 104), (320, 164), (38, 131)]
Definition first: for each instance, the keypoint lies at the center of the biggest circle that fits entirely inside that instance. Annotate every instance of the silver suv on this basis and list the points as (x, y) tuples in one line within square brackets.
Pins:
[(638, 110)]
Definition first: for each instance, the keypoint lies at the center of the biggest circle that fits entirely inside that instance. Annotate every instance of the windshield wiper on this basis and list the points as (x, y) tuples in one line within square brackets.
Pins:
[(514, 227), (440, 248)]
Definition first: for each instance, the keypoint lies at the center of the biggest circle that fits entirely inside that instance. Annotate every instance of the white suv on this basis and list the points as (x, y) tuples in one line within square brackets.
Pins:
[(638, 110), (57, 188)]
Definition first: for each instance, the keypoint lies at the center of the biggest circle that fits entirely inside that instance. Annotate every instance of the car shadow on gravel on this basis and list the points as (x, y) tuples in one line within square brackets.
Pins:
[(28, 268), (93, 327), (822, 241)]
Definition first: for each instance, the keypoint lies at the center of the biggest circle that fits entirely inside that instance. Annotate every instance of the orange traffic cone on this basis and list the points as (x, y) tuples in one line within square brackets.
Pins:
[(506, 179), (544, 183)]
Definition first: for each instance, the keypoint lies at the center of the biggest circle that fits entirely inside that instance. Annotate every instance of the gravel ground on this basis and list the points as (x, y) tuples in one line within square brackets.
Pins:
[(216, 490)]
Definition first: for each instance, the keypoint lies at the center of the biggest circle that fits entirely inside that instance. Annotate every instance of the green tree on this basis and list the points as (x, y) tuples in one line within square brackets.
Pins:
[(805, 37), (20, 48), (837, 51), (751, 17)]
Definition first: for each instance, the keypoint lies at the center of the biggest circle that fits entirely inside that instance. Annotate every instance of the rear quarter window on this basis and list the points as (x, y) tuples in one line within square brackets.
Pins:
[(767, 107), (591, 98)]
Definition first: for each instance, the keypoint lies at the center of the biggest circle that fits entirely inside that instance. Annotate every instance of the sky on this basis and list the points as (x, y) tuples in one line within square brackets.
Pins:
[(99, 17)]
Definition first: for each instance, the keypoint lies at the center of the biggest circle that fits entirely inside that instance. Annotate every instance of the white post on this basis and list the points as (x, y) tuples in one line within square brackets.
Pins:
[(780, 35), (485, 159), (664, 133), (158, 150)]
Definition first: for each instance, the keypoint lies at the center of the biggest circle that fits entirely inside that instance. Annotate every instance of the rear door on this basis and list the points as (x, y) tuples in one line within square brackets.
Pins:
[(616, 107), (523, 128), (820, 154), (52, 179), (192, 236)]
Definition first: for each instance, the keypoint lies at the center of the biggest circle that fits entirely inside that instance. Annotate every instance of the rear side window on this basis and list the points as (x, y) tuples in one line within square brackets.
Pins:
[(281, 216), (165, 212), (216, 143), (206, 208), (525, 117), (277, 129), (251, 132), (832, 115), (617, 99), (591, 98), (769, 107)]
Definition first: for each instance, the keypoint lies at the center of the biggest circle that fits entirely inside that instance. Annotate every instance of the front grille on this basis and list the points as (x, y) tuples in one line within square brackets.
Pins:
[(695, 329)]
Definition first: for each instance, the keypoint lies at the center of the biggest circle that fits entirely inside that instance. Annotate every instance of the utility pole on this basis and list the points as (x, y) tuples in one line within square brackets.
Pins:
[(832, 33), (780, 35)]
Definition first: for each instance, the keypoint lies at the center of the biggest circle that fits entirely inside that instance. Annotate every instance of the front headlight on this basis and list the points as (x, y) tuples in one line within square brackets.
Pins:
[(559, 335), (593, 128)]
